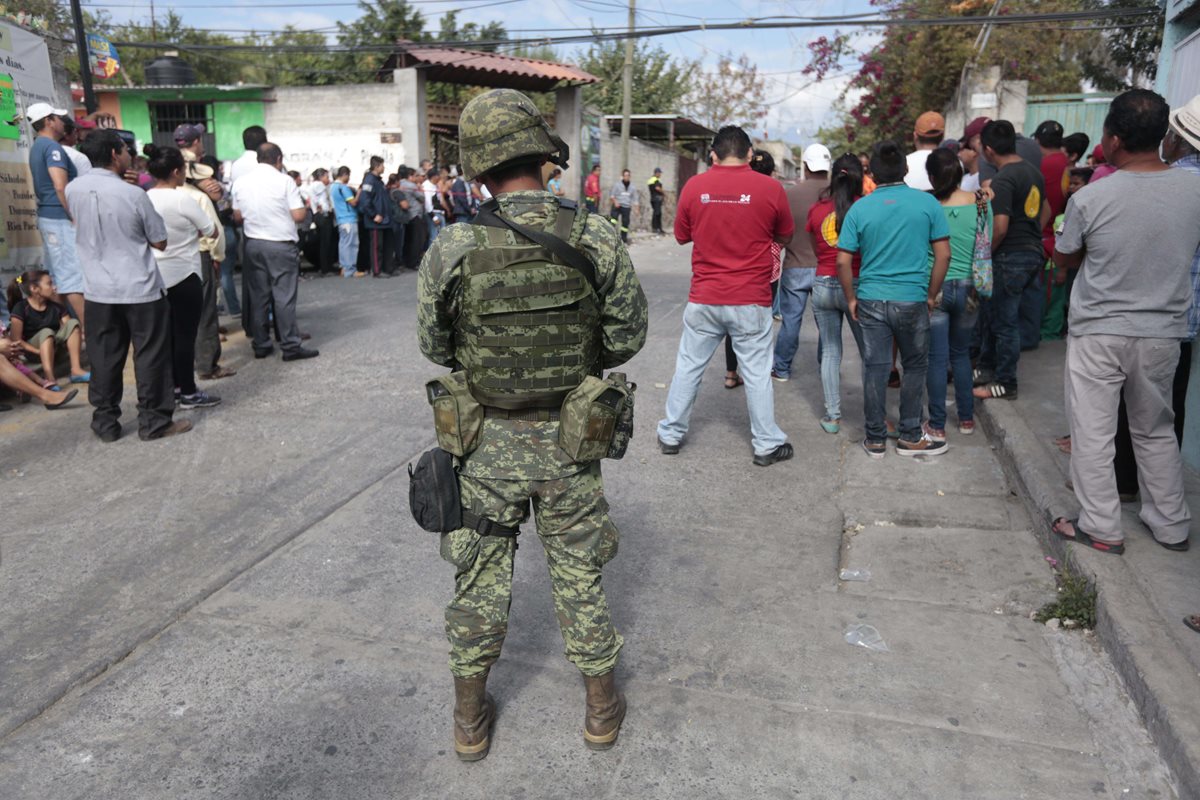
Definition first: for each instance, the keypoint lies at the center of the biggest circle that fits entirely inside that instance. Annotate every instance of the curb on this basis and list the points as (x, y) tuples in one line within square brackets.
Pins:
[(1159, 678)]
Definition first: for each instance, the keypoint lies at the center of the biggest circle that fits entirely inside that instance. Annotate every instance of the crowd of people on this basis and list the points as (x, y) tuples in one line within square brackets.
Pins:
[(142, 249), (952, 257)]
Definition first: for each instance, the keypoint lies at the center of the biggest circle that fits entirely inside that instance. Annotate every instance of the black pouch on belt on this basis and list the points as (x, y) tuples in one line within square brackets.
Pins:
[(433, 495)]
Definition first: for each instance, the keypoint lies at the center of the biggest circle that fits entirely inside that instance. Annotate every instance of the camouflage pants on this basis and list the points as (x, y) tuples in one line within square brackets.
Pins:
[(578, 537)]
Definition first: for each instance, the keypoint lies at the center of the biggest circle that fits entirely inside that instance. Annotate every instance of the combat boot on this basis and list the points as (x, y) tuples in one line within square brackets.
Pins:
[(605, 711), (474, 713)]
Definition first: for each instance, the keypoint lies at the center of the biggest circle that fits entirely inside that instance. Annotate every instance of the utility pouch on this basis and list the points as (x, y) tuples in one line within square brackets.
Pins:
[(457, 415), (588, 422), (623, 433), (433, 495)]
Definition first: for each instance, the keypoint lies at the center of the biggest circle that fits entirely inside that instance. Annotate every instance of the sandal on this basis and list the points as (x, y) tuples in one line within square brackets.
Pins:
[(1081, 537), (1063, 443), (1193, 622), (733, 381)]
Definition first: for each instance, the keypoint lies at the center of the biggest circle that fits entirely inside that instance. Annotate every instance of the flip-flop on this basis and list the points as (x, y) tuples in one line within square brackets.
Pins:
[(1193, 622), (734, 382), (1081, 537), (84, 378), (70, 396)]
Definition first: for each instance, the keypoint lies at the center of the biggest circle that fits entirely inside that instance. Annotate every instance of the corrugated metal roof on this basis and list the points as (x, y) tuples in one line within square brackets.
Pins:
[(476, 68)]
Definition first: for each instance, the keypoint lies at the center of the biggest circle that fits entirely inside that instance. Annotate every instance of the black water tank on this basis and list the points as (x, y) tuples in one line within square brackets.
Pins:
[(169, 70)]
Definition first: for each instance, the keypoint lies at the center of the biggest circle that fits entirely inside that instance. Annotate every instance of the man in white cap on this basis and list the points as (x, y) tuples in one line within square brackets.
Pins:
[(52, 170), (799, 261)]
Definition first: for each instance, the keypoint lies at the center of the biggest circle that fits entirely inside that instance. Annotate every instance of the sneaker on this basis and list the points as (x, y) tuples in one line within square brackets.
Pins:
[(201, 399), (831, 424), (936, 434), (922, 447), (996, 390), (875, 450), (983, 376), (669, 449), (966, 428), (781, 453), (775, 376)]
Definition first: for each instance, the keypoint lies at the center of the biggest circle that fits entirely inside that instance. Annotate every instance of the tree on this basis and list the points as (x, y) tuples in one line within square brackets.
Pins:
[(210, 67), (915, 69), (1122, 58), (296, 68), (734, 95), (660, 82), (450, 31), (382, 24)]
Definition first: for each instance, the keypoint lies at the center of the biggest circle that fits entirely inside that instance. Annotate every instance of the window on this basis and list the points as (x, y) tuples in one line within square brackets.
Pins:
[(166, 117)]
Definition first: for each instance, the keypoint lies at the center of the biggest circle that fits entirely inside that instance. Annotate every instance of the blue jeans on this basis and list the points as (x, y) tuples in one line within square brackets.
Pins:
[(348, 247), (829, 308), (795, 285), (908, 324), (704, 327), (1000, 340), (58, 249), (1033, 308), (950, 328), (228, 264)]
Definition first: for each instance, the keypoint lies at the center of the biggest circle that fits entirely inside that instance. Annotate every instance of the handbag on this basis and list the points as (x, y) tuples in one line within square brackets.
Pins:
[(981, 260)]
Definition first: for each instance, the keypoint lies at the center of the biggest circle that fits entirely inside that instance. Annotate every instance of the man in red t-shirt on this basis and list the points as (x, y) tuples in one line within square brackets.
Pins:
[(1056, 174), (730, 214)]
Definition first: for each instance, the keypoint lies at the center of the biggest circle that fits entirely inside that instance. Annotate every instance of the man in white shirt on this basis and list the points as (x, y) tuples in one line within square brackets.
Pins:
[(268, 205), (434, 215), (927, 135), (252, 138), (322, 208), (72, 137)]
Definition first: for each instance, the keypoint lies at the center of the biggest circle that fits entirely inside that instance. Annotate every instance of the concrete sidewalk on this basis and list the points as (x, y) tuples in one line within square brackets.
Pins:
[(1143, 595), (249, 611)]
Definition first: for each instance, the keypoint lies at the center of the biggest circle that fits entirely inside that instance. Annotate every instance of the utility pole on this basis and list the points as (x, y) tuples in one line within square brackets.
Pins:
[(85, 63), (626, 88)]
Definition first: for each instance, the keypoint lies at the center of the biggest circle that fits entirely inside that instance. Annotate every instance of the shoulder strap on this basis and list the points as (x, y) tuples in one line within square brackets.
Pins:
[(488, 216)]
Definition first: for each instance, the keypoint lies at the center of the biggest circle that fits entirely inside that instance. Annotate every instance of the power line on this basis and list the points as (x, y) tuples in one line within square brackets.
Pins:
[(642, 33)]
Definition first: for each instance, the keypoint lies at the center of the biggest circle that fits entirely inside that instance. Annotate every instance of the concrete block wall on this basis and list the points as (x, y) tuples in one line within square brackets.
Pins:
[(331, 126), (643, 158)]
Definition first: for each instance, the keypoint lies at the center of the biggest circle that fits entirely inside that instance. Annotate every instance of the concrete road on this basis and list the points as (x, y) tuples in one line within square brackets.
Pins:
[(248, 611)]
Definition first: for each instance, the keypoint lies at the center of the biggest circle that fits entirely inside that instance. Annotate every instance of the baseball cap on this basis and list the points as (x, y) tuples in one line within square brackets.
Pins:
[(85, 124), (816, 157), (39, 111), (931, 123), (974, 128), (1186, 121), (1098, 155), (658, 170), (188, 132), (1049, 134)]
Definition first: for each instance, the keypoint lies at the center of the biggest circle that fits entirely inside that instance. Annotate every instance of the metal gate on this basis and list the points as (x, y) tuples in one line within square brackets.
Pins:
[(1077, 113)]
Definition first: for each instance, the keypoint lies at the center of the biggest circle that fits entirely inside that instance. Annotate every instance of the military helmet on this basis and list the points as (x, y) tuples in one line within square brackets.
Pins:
[(501, 126)]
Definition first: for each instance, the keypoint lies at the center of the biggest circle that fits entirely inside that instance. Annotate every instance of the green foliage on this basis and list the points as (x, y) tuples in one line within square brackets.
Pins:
[(216, 68), (733, 95), (1121, 58), (660, 82), (383, 22), (1076, 600), (294, 68), (916, 69)]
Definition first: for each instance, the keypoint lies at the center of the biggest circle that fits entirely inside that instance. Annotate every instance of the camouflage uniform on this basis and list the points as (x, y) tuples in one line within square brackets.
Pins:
[(518, 462)]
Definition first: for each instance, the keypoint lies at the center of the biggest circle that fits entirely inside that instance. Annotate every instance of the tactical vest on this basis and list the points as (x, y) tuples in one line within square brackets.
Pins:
[(529, 329)]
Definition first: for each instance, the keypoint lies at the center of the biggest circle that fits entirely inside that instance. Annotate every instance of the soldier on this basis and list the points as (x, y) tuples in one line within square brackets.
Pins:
[(526, 329)]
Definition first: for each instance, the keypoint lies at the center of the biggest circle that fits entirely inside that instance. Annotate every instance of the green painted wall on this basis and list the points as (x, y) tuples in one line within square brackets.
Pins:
[(233, 111)]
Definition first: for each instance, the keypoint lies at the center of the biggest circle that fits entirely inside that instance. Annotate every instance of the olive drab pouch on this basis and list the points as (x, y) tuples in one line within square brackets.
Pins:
[(457, 415), (588, 421)]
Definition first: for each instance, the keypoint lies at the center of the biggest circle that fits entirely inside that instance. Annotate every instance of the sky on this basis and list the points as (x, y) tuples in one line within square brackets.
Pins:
[(798, 107)]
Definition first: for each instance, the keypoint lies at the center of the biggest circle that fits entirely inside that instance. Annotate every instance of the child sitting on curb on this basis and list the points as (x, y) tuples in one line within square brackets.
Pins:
[(39, 325)]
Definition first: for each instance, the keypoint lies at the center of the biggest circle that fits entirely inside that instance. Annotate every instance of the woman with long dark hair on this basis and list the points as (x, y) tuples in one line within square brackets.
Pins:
[(953, 320), (829, 301), (180, 265)]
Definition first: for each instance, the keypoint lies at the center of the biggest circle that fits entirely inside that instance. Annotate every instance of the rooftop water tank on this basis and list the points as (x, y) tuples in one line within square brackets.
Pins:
[(169, 70)]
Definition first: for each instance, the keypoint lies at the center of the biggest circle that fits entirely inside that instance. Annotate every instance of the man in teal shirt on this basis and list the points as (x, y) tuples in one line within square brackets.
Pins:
[(345, 216), (893, 229)]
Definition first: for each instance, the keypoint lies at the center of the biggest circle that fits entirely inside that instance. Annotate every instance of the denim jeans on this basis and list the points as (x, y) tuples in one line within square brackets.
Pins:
[(795, 285), (58, 250), (829, 308), (228, 264), (348, 247), (950, 328), (908, 324), (1032, 309), (704, 327), (1000, 340)]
